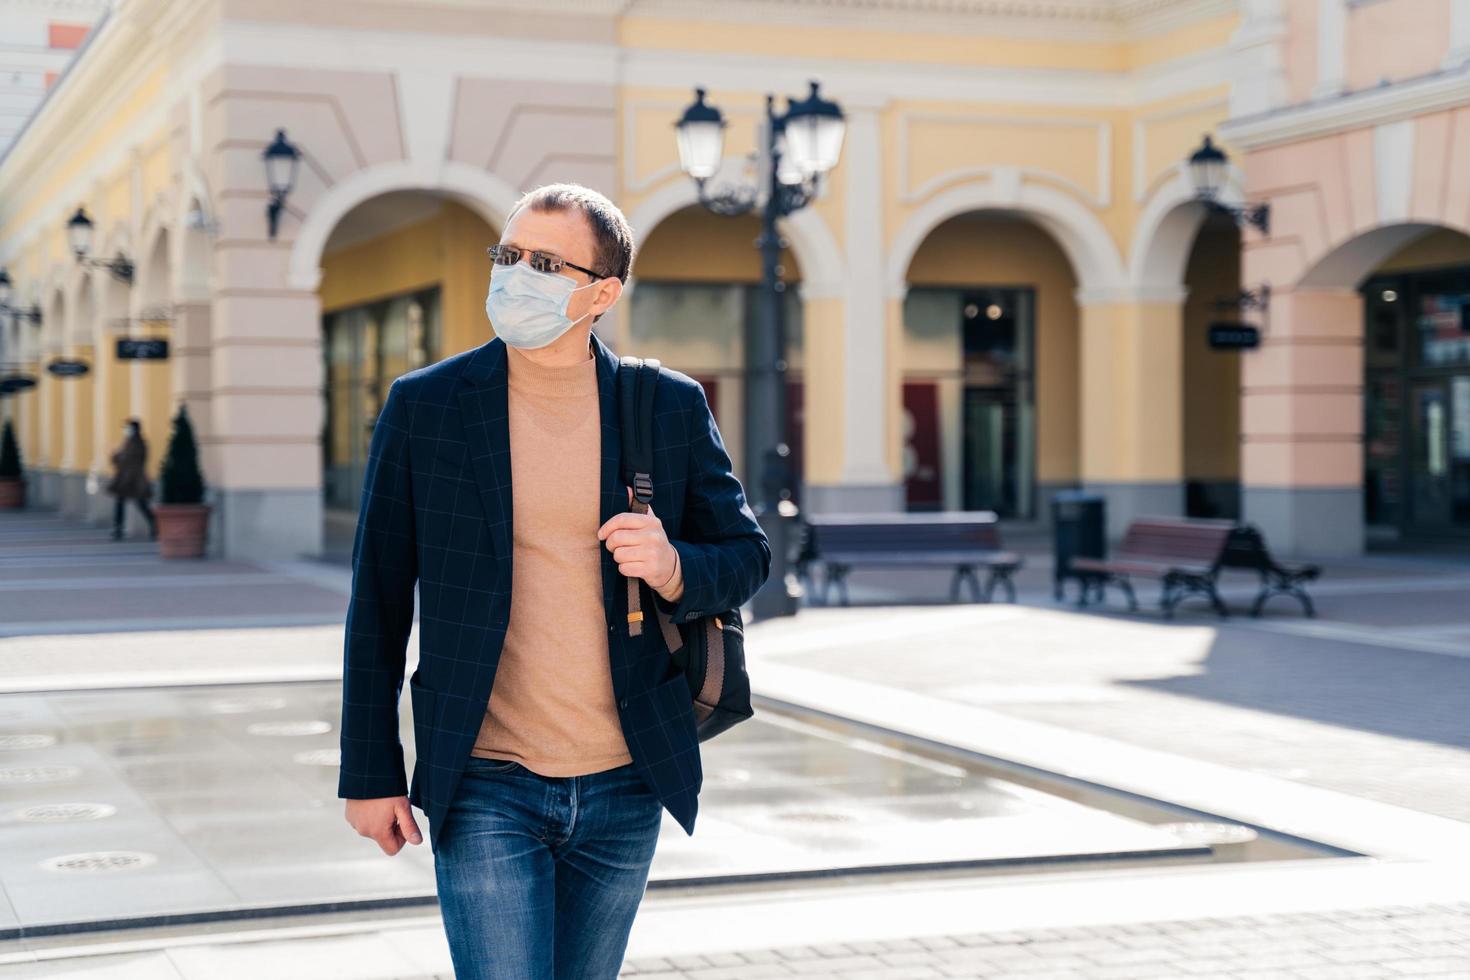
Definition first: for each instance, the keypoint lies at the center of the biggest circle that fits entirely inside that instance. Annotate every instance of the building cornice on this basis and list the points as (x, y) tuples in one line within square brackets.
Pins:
[(86, 9), (1402, 100), (1108, 21)]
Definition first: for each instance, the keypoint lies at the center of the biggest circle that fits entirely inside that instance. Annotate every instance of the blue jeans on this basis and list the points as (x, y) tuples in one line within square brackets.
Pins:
[(540, 877)]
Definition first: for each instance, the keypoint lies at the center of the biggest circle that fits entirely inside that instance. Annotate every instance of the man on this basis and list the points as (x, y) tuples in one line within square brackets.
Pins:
[(549, 740), (130, 479)]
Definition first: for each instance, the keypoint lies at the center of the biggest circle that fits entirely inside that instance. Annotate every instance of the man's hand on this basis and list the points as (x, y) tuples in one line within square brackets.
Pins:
[(384, 820), (640, 547)]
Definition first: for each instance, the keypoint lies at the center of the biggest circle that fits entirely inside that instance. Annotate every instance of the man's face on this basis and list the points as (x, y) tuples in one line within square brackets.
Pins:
[(567, 234)]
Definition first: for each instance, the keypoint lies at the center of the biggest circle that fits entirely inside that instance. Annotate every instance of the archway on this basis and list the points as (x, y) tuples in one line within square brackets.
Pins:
[(1416, 390), (151, 380), (403, 276), (112, 382), (77, 399), (697, 306), (1357, 410), (1211, 377), (47, 454), (989, 361)]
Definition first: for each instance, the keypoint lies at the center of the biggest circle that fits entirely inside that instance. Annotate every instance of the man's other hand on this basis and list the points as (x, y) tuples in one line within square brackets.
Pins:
[(388, 820)]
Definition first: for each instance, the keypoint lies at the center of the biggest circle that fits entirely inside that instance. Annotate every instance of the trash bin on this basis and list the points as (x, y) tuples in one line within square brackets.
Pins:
[(1078, 522)]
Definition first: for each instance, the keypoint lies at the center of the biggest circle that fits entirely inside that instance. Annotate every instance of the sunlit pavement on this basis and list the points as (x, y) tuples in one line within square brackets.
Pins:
[(1347, 730)]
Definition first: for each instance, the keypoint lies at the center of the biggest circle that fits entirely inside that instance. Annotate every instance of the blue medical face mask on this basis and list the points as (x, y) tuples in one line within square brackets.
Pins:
[(528, 309)]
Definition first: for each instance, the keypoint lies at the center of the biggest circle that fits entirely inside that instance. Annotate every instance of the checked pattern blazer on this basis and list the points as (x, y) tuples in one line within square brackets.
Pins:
[(436, 512)]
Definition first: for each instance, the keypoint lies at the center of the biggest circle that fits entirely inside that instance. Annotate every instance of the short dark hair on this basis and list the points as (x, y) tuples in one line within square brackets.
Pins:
[(611, 233)]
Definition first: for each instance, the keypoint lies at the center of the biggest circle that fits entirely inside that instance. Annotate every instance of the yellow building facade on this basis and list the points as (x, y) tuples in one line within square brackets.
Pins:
[(1003, 289)]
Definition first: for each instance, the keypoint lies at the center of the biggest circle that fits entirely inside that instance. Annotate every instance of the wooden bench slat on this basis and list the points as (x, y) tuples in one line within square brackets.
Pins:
[(964, 540)]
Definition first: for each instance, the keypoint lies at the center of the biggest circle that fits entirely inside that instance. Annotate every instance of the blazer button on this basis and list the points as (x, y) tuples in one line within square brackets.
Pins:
[(624, 702)]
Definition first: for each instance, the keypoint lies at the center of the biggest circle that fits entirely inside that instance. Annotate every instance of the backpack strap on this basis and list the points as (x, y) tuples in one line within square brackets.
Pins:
[(637, 378)]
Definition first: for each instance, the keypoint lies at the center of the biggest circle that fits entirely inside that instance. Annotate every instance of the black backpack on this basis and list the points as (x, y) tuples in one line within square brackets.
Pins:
[(711, 649)]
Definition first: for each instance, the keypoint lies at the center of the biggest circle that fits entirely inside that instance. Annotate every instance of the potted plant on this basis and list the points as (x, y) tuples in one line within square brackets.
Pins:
[(12, 478), (183, 517)]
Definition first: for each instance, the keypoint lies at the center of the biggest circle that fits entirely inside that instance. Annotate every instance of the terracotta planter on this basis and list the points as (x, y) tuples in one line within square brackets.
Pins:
[(181, 529), (12, 493)]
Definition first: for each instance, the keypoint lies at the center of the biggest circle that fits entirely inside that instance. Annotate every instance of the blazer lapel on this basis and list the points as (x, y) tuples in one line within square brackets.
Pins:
[(614, 491), (484, 407)]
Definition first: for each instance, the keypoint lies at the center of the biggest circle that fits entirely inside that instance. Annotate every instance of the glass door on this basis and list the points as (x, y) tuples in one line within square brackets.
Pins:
[(1459, 451), (365, 349), (1429, 496), (997, 435)]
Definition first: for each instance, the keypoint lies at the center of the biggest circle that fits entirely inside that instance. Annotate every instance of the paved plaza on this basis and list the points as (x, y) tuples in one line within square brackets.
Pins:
[(928, 790)]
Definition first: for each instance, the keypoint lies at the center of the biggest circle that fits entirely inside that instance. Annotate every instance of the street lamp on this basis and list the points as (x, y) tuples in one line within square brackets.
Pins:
[(282, 161), (79, 236), (798, 148), (7, 289), (10, 381), (1208, 168)]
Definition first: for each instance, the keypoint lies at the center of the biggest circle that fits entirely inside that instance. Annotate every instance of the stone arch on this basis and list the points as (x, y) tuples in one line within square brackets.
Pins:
[(54, 309), (1348, 262), (192, 246), (82, 311), (1166, 229), (152, 273), (483, 193), (822, 272), (1087, 244)]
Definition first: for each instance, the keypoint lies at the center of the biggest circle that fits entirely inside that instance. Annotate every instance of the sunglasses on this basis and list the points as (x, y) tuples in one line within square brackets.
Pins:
[(540, 261)]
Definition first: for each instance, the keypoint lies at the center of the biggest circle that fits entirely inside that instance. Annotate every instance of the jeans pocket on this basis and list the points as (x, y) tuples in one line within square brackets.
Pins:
[(482, 765)]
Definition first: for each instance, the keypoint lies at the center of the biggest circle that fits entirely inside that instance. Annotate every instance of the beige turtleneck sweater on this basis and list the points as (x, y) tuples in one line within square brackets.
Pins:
[(551, 707)]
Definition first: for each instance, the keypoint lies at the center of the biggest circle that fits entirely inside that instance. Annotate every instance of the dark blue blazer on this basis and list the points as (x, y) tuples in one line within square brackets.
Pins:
[(436, 511)]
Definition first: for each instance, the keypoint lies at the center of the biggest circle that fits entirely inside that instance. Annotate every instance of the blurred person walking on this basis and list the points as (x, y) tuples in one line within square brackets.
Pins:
[(130, 479), (551, 731)]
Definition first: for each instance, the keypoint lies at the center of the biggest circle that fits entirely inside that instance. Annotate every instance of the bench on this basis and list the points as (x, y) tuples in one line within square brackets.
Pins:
[(962, 540), (1185, 555), (1246, 548)]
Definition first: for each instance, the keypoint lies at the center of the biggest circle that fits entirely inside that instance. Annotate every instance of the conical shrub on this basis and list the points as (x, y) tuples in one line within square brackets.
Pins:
[(183, 483), (10, 467)]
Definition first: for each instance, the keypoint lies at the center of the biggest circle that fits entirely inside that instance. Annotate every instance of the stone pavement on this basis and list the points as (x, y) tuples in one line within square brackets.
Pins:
[(1389, 942), (1348, 729)]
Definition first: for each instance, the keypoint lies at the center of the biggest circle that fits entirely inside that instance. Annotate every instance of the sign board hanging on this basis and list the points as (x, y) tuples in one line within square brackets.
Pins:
[(141, 349), (16, 382), (64, 368), (1234, 336)]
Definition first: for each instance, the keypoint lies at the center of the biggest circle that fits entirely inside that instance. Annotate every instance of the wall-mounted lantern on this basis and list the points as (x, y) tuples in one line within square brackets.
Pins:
[(282, 161), (6, 290), (1234, 335), (79, 236), (1208, 169), (197, 220), (10, 380)]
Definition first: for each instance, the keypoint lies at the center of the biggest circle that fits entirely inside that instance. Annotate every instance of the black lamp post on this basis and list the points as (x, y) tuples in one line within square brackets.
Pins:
[(800, 146), (1208, 167), (282, 162), (79, 236)]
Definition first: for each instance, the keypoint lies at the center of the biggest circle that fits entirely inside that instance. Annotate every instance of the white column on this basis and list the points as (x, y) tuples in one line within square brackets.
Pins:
[(1331, 42), (1258, 78), (865, 401), (1459, 50)]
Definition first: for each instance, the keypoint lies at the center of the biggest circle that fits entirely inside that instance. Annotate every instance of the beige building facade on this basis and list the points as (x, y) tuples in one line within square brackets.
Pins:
[(1003, 289)]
